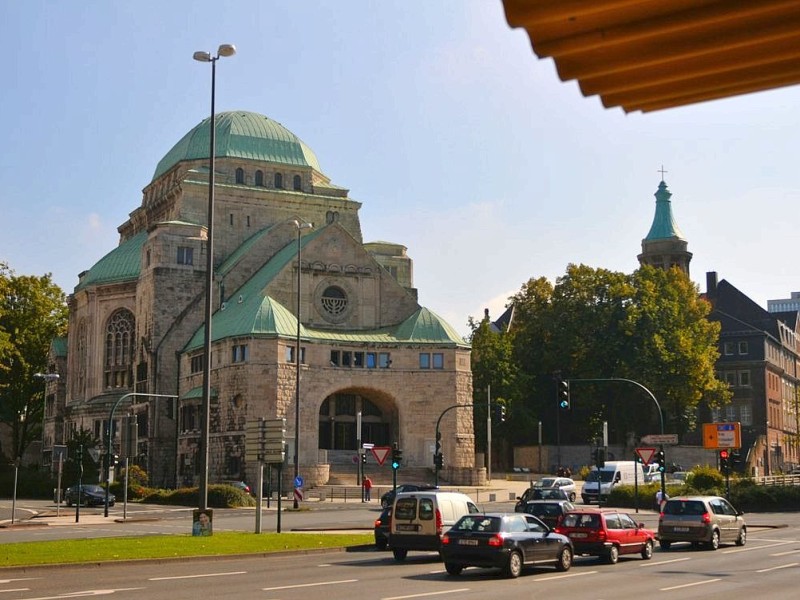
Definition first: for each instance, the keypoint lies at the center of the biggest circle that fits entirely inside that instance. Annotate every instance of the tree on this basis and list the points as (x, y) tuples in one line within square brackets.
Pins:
[(33, 312)]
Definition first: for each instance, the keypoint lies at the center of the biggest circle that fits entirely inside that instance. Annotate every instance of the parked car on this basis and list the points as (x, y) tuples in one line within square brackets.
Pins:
[(540, 493), (382, 525), (240, 485), (607, 534), (549, 511), (91, 495), (503, 541), (388, 498), (564, 483), (709, 520)]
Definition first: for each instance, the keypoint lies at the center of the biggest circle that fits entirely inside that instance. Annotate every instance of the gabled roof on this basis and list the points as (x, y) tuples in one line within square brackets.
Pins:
[(123, 263), (738, 313)]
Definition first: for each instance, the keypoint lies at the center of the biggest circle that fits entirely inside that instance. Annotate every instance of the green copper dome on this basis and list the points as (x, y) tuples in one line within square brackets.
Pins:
[(664, 226), (241, 134)]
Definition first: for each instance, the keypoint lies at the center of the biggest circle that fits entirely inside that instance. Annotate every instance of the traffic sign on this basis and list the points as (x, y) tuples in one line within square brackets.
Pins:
[(646, 454), (298, 481), (722, 435), (298, 494), (380, 453), (660, 438)]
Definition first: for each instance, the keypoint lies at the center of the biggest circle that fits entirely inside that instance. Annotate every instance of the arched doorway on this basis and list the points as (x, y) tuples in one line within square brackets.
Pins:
[(338, 417)]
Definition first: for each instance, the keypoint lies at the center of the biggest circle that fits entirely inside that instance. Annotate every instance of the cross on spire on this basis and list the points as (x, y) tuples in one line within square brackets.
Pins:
[(662, 171)]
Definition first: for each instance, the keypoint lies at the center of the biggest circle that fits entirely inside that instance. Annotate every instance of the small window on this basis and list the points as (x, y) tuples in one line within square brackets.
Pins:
[(239, 175), (746, 415), (424, 360), (425, 509), (730, 377), (744, 378), (197, 363), (384, 361), (335, 358), (298, 183), (358, 359), (371, 362), (742, 347), (248, 220), (438, 360), (347, 359), (289, 354), (185, 255), (259, 178), (730, 414), (279, 181), (239, 353), (231, 218), (728, 348)]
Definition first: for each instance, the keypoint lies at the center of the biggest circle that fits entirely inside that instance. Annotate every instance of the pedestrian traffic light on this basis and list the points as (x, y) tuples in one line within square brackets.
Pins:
[(723, 461), (438, 460), (397, 457), (563, 394), (661, 460)]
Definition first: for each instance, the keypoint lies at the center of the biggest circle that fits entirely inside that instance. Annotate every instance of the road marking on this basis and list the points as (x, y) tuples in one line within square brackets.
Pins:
[(15, 590), (325, 565), (749, 548), (785, 553), (686, 585), (305, 585), (662, 562), (85, 593), (19, 579), (776, 568), (426, 594), (196, 576), (552, 577)]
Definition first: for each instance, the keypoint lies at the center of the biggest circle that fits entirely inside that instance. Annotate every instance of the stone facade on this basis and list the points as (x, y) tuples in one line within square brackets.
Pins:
[(366, 346)]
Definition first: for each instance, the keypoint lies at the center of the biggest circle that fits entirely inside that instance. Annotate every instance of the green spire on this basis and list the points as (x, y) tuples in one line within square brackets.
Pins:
[(664, 225)]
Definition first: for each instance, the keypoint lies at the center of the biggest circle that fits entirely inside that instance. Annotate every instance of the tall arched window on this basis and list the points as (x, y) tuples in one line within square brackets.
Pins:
[(259, 178), (298, 184), (120, 330), (240, 175), (279, 181)]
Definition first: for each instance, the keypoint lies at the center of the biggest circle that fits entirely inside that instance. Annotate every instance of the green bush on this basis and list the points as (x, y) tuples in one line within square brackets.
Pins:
[(706, 480), (219, 496)]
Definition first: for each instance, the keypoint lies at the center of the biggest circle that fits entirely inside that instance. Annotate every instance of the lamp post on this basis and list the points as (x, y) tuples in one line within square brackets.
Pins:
[(47, 377), (300, 226), (223, 50)]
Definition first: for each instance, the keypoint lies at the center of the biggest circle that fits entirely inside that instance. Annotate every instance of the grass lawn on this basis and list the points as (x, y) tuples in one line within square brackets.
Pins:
[(96, 550)]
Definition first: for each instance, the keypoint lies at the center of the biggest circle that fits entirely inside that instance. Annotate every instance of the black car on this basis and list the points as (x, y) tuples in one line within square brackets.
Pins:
[(504, 541), (549, 511), (388, 498), (540, 493), (382, 525), (91, 495)]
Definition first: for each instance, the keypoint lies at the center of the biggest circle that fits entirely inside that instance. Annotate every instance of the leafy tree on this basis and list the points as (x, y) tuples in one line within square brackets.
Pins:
[(33, 312)]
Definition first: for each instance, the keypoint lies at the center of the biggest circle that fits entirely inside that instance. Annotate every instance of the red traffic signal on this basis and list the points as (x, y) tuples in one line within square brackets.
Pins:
[(723, 454)]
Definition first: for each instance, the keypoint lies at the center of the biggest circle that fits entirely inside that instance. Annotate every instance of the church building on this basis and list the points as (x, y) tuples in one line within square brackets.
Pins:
[(369, 354)]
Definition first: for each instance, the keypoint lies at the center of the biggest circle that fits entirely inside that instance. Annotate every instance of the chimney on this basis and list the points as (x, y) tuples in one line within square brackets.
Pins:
[(711, 285)]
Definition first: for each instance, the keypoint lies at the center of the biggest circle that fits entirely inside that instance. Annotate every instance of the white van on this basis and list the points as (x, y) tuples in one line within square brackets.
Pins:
[(621, 472), (420, 518)]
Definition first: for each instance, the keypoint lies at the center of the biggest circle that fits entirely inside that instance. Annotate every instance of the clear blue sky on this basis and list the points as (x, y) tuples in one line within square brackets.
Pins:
[(459, 142)]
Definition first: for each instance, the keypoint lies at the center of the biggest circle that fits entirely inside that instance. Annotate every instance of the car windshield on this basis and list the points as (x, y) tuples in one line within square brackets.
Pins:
[(478, 523)]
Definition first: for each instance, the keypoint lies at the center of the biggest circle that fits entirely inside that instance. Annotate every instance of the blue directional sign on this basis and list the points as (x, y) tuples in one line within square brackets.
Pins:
[(298, 481)]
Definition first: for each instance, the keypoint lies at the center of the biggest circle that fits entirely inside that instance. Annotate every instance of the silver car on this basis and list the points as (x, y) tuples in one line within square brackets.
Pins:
[(708, 520)]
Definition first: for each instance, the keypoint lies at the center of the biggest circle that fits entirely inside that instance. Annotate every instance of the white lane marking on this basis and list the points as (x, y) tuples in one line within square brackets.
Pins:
[(15, 590), (686, 585), (305, 585), (662, 562), (426, 594), (749, 548), (196, 576), (325, 565), (784, 553), (19, 579), (85, 593), (776, 568), (552, 577)]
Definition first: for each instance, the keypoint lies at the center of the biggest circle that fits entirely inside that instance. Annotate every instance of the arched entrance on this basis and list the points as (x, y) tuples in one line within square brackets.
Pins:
[(338, 417)]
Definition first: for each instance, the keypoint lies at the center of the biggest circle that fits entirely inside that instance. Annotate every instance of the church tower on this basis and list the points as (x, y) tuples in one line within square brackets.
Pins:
[(665, 246)]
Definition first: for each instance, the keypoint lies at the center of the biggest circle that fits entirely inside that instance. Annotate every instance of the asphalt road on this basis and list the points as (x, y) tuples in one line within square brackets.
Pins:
[(767, 567)]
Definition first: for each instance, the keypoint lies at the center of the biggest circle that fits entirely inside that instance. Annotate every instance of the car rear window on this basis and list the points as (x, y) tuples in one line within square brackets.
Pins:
[(405, 509), (684, 507), (479, 523), (581, 520)]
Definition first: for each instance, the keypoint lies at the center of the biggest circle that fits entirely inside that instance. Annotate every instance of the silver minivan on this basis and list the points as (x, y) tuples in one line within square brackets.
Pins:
[(419, 519), (708, 520)]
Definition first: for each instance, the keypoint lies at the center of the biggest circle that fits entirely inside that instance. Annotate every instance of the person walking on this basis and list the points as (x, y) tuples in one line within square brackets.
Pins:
[(367, 485), (661, 497)]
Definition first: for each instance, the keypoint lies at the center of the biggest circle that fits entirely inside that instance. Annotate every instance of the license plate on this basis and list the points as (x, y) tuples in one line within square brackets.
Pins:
[(468, 542), (403, 527), (577, 535), (681, 529)]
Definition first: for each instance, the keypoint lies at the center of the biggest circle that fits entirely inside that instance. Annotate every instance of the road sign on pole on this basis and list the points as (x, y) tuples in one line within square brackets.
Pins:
[(722, 435), (380, 453), (646, 454), (661, 439)]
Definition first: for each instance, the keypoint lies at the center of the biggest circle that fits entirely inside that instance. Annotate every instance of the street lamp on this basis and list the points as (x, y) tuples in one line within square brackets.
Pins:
[(300, 226), (223, 50), (47, 378)]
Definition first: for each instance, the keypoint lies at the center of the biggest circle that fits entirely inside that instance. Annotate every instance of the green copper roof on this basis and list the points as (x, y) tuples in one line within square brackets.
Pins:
[(241, 134), (664, 225), (123, 263)]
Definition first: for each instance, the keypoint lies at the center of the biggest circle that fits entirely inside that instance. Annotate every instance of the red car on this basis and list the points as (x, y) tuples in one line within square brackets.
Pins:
[(606, 533)]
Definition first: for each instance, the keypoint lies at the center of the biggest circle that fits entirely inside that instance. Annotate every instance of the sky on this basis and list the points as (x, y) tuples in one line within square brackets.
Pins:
[(459, 142)]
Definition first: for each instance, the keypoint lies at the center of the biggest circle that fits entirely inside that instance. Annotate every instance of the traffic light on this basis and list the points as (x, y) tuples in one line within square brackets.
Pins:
[(397, 457), (438, 460), (599, 457), (661, 460), (563, 394), (363, 458), (724, 456), (500, 413)]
